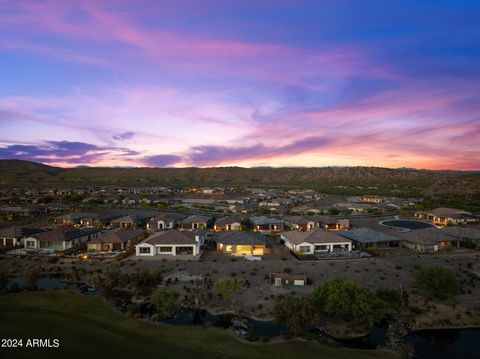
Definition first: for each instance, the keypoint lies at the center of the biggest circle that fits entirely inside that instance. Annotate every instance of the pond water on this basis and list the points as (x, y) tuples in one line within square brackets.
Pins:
[(48, 283), (438, 344), (267, 328), (45, 283), (409, 224), (445, 343), (190, 316)]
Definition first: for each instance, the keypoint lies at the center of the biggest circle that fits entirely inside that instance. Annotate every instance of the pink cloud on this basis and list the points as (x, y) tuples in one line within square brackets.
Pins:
[(274, 101)]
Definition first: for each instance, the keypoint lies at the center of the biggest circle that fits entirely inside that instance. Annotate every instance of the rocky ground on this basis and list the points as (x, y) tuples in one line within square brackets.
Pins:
[(256, 300)]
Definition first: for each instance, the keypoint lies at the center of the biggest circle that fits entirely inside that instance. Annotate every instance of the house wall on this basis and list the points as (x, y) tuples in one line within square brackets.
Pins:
[(245, 249), (94, 247), (308, 248), (270, 228), (442, 220), (228, 227), (57, 245), (343, 223), (195, 225), (106, 247), (302, 227), (30, 242), (54, 245), (417, 247), (9, 242), (154, 250), (138, 250), (160, 225)]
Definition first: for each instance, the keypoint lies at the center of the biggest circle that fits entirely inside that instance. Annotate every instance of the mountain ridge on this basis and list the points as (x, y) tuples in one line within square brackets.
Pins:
[(346, 180)]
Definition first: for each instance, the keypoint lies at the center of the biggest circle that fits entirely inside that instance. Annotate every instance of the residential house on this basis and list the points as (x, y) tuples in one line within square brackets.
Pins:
[(359, 207), (120, 239), (244, 208), (64, 192), (469, 236), (317, 241), (131, 200), (55, 207), (228, 223), (331, 223), (277, 202), (372, 199), (60, 238), (428, 240), (98, 219), (164, 221), (310, 194), (172, 243), (310, 209), (11, 212), (196, 202), (130, 221), (112, 200), (243, 243), (197, 221), (14, 235), (445, 216), (364, 238), (300, 223), (235, 199), (266, 224), (72, 219)]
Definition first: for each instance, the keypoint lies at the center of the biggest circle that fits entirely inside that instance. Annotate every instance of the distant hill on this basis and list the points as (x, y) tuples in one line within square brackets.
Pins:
[(25, 172), (340, 180)]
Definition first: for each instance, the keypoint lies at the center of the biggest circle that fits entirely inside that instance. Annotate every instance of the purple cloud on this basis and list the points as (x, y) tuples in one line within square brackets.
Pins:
[(213, 155), (62, 152), (161, 160), (395, 86), (124, 136)]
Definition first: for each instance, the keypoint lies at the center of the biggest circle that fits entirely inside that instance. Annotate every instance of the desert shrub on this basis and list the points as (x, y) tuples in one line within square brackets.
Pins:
[(166, 303), (340, 298), (228, 286), (295, 313), (437, 281)]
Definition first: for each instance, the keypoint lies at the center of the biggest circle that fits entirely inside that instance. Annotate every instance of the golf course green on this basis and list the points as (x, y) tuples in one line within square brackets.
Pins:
[(87, 327)]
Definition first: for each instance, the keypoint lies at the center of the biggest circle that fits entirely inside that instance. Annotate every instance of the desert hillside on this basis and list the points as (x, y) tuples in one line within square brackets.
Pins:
[(347, 180)]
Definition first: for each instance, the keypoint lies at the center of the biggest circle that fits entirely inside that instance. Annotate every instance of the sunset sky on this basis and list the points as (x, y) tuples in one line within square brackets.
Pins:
[(245, 83)]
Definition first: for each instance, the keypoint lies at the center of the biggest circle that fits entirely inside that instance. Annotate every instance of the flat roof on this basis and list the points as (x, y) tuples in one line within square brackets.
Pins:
[(368, 235)]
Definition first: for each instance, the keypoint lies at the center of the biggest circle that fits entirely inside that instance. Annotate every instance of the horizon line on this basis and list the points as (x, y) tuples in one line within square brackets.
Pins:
[(243, 167)]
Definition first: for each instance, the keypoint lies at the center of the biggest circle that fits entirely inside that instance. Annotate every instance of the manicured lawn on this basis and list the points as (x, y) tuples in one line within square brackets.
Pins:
[(88, 328)]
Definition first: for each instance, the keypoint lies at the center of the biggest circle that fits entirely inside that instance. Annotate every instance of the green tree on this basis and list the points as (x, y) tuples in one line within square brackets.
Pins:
[(107, 281), (295, 313), (262, 212), (166, 303), (143, 281), (31, 275), (437, 281), (228, 286), (333, 211), (340, 298)]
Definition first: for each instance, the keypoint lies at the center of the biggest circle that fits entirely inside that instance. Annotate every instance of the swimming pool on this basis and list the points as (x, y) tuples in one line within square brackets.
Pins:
[(405, 223)]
